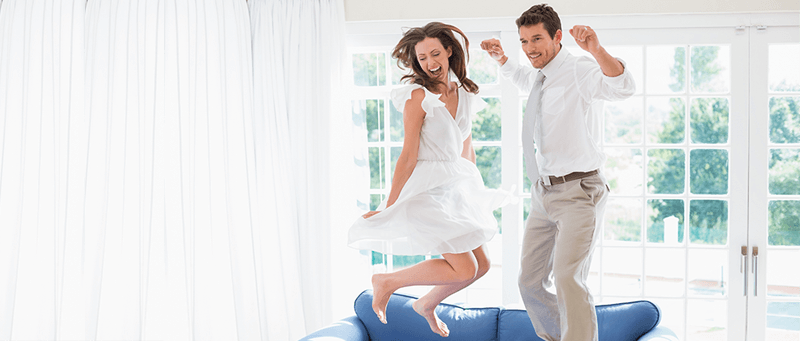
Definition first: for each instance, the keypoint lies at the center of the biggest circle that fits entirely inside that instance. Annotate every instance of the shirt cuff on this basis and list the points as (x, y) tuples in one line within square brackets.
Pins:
[(619, 80)]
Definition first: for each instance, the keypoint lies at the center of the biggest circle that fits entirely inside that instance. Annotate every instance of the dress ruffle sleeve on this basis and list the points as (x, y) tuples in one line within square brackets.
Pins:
[(401, 95)]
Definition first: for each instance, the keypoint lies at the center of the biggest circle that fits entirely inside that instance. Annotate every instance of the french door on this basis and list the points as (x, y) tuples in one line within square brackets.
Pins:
[(773, 280), (678, 170), (704, 164)]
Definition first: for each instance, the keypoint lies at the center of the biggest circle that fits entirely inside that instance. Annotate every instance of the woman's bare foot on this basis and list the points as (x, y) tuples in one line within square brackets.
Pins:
[(381, 292), (428, 311)]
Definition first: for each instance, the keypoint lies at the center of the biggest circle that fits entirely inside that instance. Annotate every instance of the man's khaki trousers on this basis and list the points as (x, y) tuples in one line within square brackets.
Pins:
[(560, 234)]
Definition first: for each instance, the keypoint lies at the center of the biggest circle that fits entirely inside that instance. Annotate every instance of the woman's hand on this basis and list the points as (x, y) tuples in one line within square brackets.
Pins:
[(369, 214)]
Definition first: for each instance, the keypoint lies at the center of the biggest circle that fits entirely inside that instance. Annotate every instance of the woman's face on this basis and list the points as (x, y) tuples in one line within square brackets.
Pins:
[(432, 57)]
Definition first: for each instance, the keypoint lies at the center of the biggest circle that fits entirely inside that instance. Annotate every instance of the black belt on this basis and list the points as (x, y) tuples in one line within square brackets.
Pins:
[(555, 180)]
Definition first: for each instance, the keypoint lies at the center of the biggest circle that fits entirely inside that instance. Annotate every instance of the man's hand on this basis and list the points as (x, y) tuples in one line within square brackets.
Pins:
[(495, 50), (586, 38)]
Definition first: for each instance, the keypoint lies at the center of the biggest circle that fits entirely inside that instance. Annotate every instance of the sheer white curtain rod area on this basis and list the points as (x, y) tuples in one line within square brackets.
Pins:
[(167, 169)]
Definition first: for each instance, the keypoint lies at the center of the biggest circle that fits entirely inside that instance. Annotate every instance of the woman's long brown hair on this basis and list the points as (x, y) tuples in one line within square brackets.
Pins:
[(406, 56)]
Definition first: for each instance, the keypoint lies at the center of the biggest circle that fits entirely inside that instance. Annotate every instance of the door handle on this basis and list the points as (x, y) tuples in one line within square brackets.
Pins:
[(743, 268), (755, 270)]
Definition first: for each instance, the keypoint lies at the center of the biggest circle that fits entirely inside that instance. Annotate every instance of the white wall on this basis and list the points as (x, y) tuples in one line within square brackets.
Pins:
[(368, 10)]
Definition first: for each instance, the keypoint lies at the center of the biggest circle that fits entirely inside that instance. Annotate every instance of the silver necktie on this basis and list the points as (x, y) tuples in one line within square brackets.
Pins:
[(535, 103)]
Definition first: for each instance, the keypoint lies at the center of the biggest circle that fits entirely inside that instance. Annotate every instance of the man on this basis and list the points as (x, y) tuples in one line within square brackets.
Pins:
[(569, 191)]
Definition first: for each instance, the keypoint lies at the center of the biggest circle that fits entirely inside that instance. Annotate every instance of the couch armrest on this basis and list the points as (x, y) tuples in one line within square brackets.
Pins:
[(346, 329), (659, 333)]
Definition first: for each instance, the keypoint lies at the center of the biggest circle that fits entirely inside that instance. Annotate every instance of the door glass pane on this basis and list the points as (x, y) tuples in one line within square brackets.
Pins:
[(783, 321), (665, 221), (783, 279), (666, 171), (784, 222), (482, 68), (377, 168), (375, 201), (624, 121), (666, 119), (708, 271), (369, 69), (486, 123), (622, 271), (710, 70), (708, 222), (664, 272), (707, 320), (709, 120), (666, 69), (488, 162), (709, 171), (396, 128), (784, 70), (624, 170), (784, 119), (623, 220), (784, 171), (372, 109)]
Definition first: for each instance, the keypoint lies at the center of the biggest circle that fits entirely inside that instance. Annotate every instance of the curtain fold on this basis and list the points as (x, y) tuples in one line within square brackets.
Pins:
[(41, 67), (298, 51), (169, 206)]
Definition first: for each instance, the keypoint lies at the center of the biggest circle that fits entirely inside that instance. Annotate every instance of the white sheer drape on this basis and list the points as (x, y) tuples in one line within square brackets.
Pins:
[(167, 168), (170, 164), (298, 55), (41, 86)]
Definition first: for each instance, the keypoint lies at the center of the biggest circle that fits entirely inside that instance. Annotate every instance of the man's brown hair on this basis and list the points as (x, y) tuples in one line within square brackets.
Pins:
[(541, 13)]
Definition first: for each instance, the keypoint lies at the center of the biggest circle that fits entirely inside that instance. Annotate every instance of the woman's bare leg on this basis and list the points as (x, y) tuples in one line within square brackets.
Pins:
[(426, 305), (454, 268)]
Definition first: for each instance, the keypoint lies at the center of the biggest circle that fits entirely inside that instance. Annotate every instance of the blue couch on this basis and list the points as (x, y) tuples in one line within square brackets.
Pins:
[(617, 322)]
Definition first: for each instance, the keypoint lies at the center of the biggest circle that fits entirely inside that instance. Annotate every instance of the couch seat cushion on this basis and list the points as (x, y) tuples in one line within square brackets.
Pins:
[(404, 324), (616, 322)]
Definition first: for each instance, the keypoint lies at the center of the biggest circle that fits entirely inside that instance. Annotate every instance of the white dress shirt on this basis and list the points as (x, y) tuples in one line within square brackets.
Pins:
[(572, 95)]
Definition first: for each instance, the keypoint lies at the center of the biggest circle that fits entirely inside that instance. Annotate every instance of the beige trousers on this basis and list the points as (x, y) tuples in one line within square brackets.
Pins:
[(557, 246)]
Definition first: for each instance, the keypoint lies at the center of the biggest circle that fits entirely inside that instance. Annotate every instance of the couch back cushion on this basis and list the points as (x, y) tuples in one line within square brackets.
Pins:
[(616, 322), (405, 324)]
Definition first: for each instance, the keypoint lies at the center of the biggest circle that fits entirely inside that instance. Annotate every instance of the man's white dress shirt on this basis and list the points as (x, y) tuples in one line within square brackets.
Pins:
[(571, 110)]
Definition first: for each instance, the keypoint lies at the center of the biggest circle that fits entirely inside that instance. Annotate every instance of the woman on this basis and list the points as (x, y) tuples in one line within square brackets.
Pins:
[(438, 203)]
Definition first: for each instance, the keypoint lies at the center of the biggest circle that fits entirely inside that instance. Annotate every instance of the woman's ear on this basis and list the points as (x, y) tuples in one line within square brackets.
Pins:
[(449, 51)]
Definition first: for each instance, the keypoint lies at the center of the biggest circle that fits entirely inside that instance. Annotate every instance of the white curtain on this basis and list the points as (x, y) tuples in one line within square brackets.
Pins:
[(41, 101), (298, 55), (167, 167)]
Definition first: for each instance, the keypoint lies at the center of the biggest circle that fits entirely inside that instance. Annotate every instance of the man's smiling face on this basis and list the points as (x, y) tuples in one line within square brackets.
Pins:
[(537, 44)]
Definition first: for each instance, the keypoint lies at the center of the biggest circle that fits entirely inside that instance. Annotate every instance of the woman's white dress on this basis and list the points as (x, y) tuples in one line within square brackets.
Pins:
[(444, 206)]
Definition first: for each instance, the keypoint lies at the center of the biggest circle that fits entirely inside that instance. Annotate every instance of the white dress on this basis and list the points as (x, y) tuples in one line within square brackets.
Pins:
[(444, 206)]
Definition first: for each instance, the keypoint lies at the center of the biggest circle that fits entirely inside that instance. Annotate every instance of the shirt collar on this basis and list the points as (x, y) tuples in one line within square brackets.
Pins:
[(551, 67)]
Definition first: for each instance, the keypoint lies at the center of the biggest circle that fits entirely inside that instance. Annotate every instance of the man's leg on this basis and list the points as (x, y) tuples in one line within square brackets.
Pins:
[(579, 214), (535, 268)]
